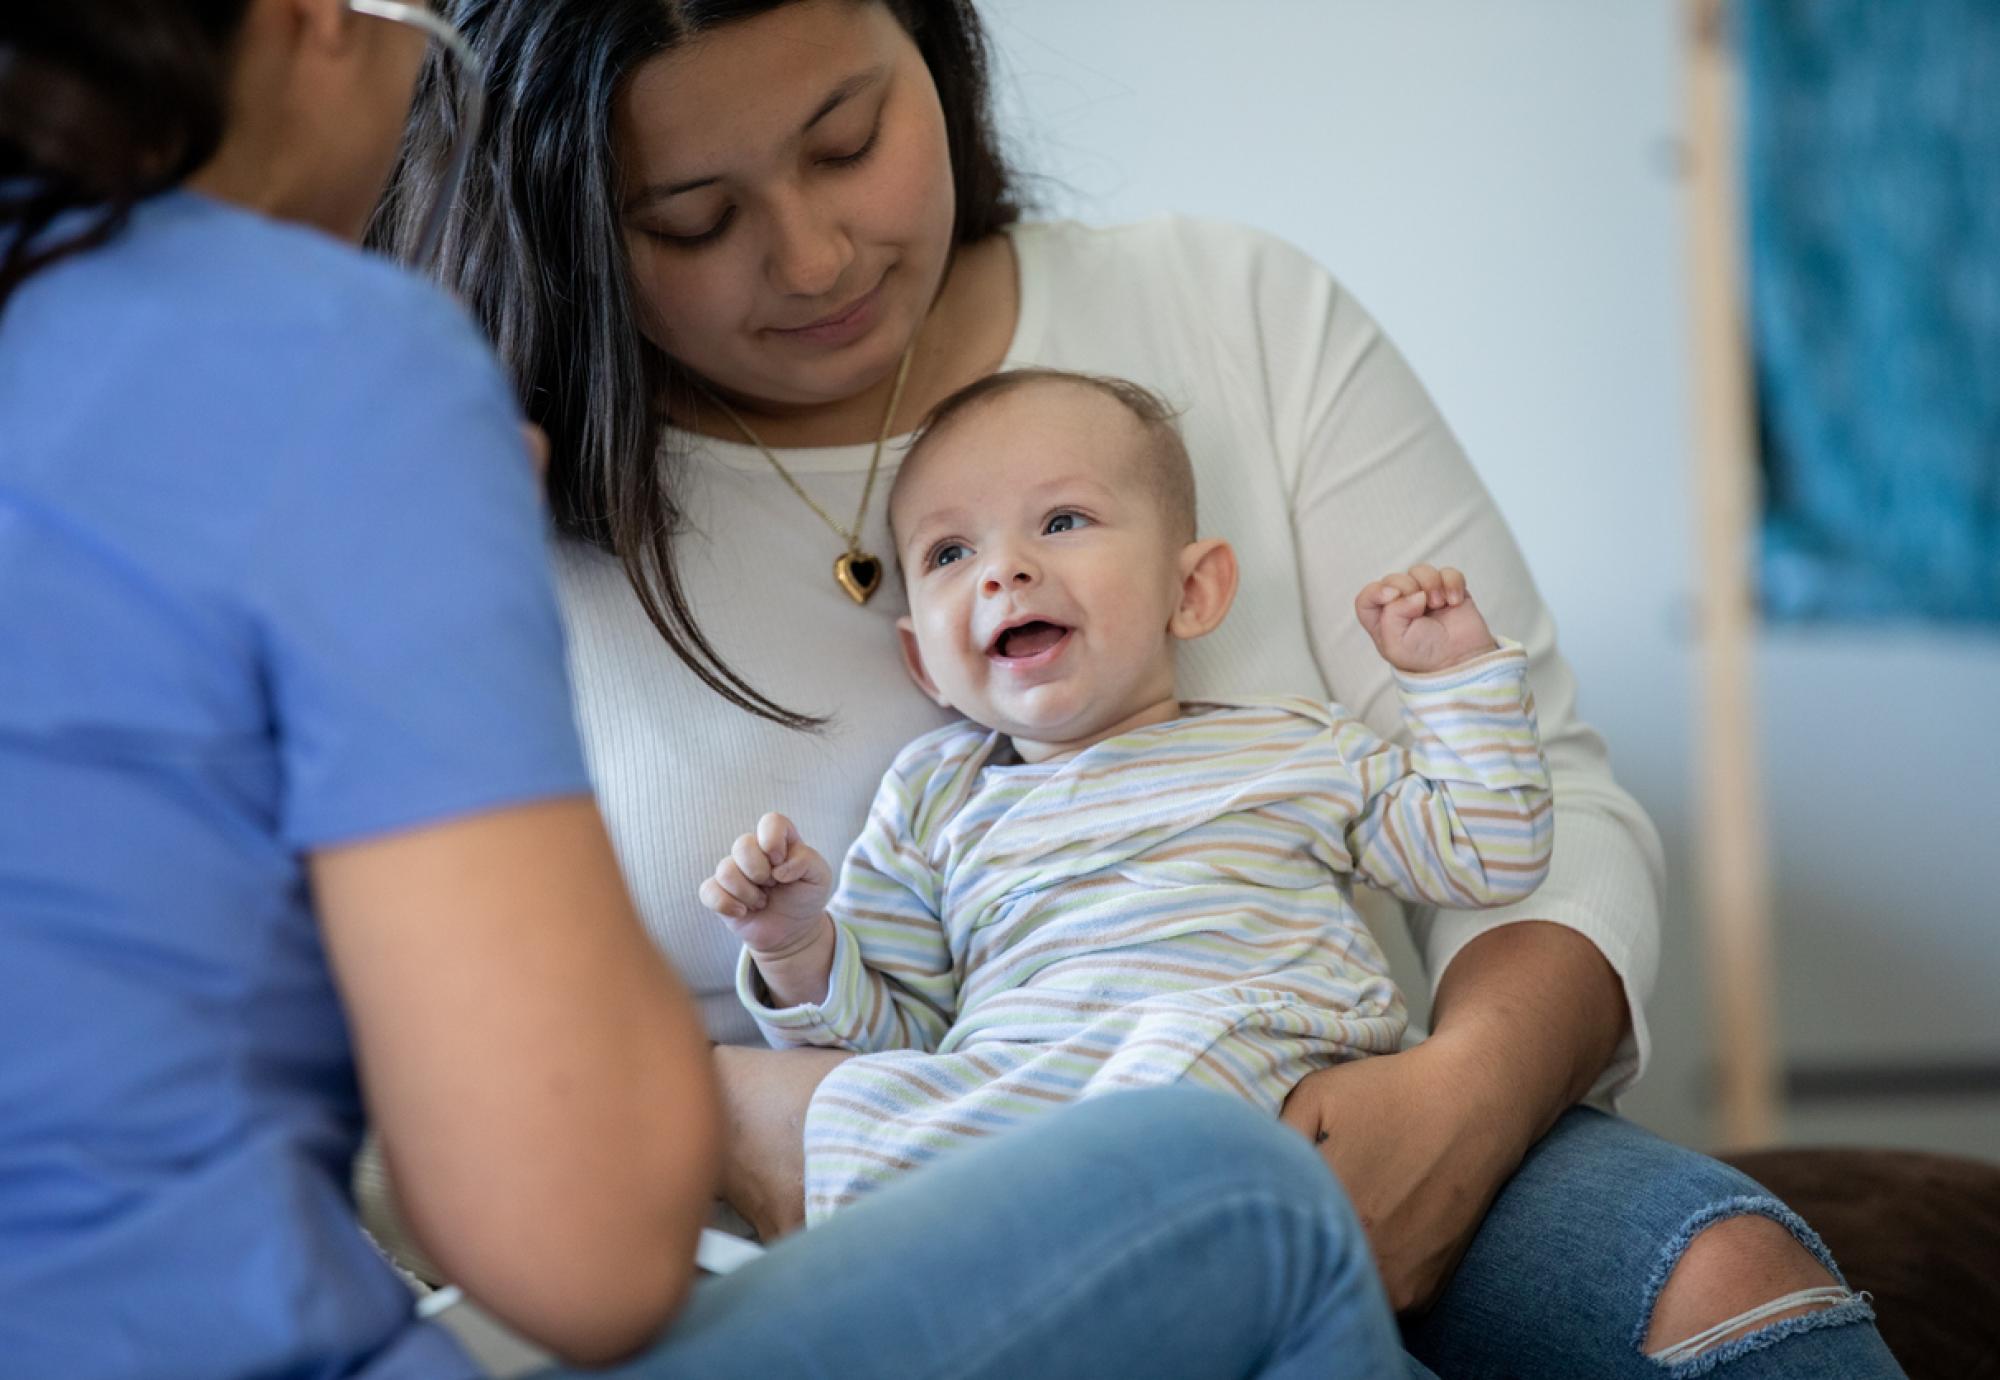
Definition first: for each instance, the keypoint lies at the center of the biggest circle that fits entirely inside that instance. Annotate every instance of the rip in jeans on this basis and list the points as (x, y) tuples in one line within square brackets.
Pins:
[(1702, 1353)]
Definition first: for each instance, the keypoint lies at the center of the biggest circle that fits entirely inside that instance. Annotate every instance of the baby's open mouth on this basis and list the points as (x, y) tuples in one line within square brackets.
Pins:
[(1027, 639)]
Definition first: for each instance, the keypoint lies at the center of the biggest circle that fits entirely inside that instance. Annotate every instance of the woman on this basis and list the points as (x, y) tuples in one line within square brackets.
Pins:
[(293, 823), (726, 247)]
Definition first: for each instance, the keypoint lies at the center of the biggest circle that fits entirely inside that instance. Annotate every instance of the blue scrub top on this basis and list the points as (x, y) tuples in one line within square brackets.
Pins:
[(272, 577)]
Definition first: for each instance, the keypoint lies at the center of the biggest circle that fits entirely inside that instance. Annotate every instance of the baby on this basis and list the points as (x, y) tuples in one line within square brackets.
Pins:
[(1093, 884)]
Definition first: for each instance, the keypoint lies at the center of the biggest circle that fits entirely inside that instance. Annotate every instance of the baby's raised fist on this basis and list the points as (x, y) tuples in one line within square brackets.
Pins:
[(772, 888), (1423, 619)]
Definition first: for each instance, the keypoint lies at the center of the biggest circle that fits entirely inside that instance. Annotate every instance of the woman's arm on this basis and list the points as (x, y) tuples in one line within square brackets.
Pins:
[(765, 1095), (1378, 483), (538, 1076), (1537, 1002), (1525, 1019)]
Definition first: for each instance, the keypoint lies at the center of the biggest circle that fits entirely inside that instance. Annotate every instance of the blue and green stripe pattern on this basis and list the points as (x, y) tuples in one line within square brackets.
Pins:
[(1171, 904)]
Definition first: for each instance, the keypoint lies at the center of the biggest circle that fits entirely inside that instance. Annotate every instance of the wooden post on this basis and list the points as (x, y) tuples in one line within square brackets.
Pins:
[(1733, 858)]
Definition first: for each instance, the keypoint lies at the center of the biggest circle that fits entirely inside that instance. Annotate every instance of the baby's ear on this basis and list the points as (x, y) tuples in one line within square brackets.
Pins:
[(1208, 588), (913, 660)]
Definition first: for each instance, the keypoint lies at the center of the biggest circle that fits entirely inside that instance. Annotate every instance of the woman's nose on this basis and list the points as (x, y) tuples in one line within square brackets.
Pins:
[(810, 252)]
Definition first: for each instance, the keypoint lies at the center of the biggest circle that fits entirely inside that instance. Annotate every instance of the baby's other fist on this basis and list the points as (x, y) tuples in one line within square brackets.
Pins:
[(1423, 619)]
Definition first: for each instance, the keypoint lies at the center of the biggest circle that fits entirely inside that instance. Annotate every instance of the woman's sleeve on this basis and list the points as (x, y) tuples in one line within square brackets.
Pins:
[(399, 578), (1378, 483)]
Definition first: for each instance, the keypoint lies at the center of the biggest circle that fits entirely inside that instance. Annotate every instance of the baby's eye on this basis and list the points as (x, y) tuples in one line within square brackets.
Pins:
[(1064, 522), (944, 553)]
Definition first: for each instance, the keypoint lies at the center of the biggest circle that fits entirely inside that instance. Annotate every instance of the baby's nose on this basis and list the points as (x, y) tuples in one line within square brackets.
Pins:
[(1010, 574)]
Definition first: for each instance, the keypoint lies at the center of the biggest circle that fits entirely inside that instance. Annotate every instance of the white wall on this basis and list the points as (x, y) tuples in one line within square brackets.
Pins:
[(1497, 183)]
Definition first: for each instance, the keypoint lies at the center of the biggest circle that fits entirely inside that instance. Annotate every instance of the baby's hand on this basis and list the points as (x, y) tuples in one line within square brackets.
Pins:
[(772, 889), (1423, 620)]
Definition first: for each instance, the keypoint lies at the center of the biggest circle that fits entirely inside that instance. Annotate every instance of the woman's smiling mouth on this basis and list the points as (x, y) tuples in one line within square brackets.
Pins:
[(849, 323)]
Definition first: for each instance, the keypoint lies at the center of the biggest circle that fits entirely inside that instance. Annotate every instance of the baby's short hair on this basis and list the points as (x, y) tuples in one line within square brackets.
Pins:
[(1172, 470)]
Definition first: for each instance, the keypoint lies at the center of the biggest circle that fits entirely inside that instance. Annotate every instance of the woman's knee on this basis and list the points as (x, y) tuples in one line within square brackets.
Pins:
[(1682, 1249), (1741, 1274)]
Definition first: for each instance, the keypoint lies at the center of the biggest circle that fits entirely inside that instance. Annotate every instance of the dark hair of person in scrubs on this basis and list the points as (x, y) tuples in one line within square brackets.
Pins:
[(107, 103)]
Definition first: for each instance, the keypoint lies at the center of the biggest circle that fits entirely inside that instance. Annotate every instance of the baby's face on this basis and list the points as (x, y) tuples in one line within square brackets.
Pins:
[(1040, 568)]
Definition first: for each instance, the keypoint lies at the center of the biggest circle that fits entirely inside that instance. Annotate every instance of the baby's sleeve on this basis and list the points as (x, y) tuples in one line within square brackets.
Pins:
[(893, 984), (1464, 816)]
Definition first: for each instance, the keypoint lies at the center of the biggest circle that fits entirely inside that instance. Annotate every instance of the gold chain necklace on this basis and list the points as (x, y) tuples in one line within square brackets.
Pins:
[(854, 570)]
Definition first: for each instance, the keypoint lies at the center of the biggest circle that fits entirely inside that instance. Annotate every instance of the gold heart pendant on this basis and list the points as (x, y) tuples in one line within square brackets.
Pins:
[(859, 573)]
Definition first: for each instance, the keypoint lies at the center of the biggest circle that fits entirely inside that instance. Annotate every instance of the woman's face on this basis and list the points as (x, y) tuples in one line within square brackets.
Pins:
[(787, 200)]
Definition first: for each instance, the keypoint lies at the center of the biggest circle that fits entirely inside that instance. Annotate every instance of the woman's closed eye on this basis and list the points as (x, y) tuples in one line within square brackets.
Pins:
[(856, 156), (697, 238)]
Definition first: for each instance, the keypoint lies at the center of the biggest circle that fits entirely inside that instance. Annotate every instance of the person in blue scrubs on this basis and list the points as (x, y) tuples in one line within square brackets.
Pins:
[(295, 835)]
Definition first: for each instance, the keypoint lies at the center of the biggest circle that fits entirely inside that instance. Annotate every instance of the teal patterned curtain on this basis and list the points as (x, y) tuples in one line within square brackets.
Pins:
[(1873, 162)]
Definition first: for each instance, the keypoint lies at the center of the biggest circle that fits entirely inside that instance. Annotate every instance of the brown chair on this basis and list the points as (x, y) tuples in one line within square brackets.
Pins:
[(1920, 1232)]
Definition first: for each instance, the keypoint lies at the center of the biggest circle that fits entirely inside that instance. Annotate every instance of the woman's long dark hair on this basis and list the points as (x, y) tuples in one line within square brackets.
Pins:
[(535, 248), (102, 104)]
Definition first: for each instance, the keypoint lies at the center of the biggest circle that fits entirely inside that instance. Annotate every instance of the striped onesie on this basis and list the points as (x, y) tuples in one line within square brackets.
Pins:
[(1169, 904)]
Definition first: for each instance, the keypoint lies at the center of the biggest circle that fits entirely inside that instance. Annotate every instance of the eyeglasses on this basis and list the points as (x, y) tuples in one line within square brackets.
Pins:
[(471, 85)]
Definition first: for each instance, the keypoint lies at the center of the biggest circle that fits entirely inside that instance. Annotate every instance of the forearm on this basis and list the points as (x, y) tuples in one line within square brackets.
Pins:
[(765, 1096), (1530, 1014), (1526, 1016), (541, 1090)]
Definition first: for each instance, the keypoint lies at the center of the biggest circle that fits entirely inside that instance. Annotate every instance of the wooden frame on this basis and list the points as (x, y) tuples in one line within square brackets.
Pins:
[(1733, 854)]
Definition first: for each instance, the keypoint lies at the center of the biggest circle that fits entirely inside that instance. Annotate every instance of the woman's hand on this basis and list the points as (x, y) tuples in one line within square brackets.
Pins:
[(1411, 1141), (1526, 1017)]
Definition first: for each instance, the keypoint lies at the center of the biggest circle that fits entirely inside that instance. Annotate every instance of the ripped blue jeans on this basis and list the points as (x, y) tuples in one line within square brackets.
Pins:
[(1562, 1277)]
